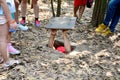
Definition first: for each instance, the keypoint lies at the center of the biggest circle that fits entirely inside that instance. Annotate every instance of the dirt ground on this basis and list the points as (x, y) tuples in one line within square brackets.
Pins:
[(94, 57)]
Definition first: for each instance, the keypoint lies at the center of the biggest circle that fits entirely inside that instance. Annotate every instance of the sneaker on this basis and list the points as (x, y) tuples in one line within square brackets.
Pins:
[(101, 28), (79, 21), (12, 50), (1, 60), (37, 23), (23, 22), (107, 32), (10, 63), (21, 27)]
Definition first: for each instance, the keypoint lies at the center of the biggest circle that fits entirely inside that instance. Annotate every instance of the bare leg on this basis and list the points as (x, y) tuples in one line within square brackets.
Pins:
[(52, 37), (66, 41), (24, 7), (36, 8), (9, 37), (17, 11), (3, 42), (75, 10), (81, 10)]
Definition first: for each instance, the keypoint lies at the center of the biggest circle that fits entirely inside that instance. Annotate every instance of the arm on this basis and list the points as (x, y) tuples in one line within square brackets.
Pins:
[(17, 1), (7, 13), (6, 10)]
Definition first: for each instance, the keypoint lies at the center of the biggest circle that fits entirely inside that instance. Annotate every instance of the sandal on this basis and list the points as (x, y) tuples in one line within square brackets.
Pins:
[(11, 63)]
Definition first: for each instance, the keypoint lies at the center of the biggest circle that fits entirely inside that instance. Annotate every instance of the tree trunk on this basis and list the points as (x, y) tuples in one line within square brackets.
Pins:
[(58, 12), (53, 12), (99, 12), (58, 8)]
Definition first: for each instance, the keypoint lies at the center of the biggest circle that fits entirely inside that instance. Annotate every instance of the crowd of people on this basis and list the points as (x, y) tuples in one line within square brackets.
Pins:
[(9, 23)]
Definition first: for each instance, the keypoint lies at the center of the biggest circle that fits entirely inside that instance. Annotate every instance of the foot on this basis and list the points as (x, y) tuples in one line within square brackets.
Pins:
[(107, 32), (23, 22), (79, 21), (1, 60), (12, 50), (101, 28), (10, 63), (37, 23), (21, 27)]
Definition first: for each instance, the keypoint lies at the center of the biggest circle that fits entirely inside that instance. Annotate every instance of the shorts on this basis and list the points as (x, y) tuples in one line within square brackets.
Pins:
[(29, 2), (2, 19), (80, 2), (13, 15)]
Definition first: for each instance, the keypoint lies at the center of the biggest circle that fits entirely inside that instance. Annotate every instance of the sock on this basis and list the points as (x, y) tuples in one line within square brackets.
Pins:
[(23, 18), (36, 19)]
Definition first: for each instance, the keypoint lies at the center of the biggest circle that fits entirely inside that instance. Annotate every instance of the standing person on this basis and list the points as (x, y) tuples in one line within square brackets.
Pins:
[(79, 5), (20, 26), (111, 19), (36, 11), (6, 22), (11, 49)]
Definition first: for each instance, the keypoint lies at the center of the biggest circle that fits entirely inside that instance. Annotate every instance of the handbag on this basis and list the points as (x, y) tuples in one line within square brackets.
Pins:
[(89, 3)]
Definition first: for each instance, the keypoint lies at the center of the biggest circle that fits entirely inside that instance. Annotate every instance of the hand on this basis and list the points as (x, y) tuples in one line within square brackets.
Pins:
[(17, 1), (13, 24)]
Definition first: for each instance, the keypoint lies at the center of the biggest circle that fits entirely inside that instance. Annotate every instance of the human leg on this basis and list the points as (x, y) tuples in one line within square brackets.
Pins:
[(66, 41), (3, 42), (20, 26), (51, 39), (17, 11), (11, 49), (76, 7), (23, 10), (75, 10), (81, 10), (36, 8), (3, 46), (112, 7), (113, 24), (36, 12), (79, 5), (115, 20)]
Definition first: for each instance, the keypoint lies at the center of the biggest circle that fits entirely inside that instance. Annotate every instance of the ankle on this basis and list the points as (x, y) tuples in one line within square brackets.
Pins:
[(23, 18), (9, 44), (36, 19), (6, 60)]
